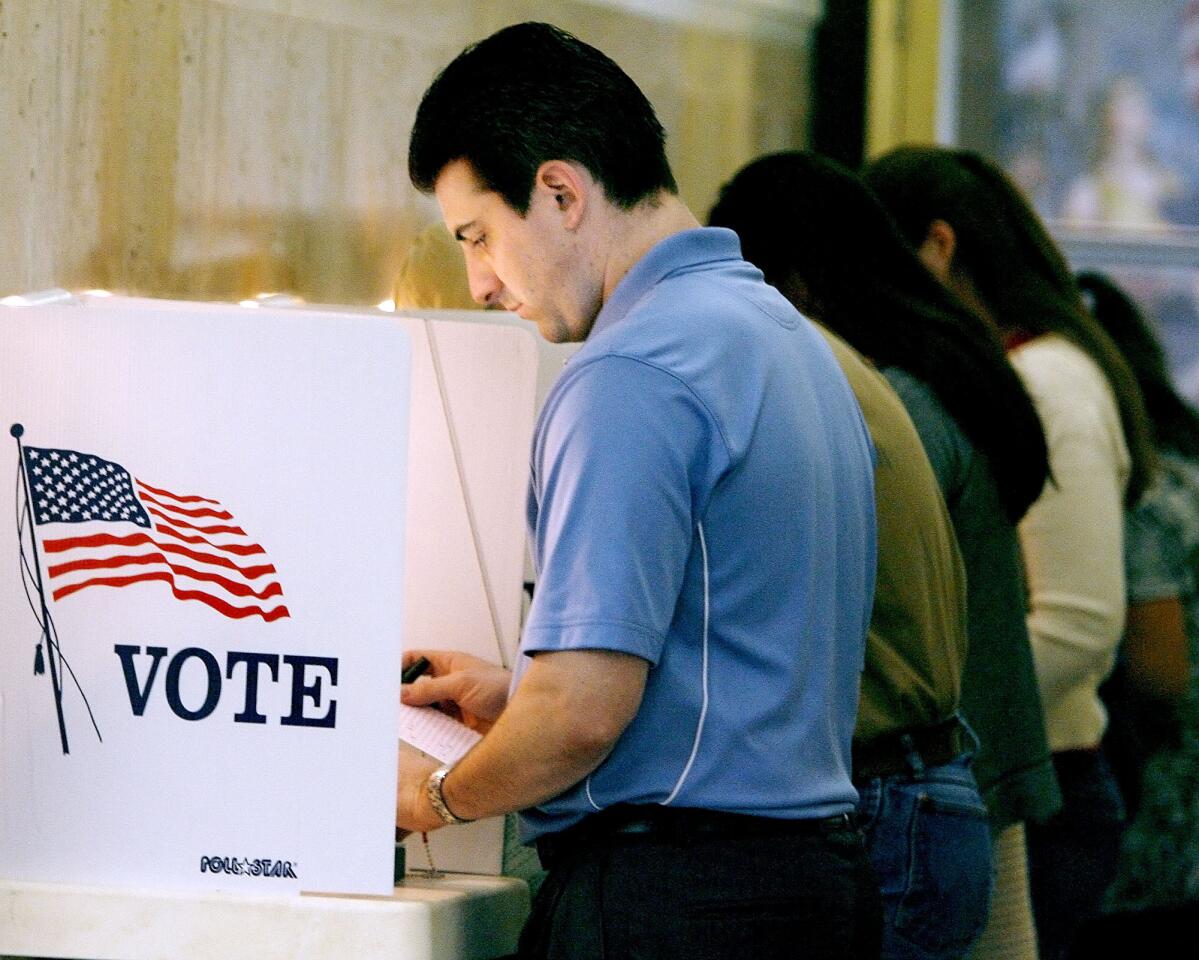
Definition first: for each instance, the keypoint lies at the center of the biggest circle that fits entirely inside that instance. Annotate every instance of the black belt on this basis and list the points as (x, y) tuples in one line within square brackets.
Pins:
[(678, 824), (901, 751)]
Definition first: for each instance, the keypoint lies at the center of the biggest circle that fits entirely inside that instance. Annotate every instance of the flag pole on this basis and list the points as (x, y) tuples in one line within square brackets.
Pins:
[(17, 430)]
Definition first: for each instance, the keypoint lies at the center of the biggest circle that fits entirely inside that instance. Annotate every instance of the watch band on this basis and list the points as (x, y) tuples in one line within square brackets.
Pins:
[(433, 790)]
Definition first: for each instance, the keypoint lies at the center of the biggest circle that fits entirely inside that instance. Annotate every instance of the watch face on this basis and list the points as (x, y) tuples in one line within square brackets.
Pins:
[(433, 788)]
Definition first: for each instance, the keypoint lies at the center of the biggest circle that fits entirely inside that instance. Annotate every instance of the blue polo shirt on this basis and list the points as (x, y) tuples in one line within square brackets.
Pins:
[(702, 497)]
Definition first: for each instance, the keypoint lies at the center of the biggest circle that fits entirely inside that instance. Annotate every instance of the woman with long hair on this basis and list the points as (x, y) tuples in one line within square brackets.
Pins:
[(1157, 883), (823, 239), (978, 236)]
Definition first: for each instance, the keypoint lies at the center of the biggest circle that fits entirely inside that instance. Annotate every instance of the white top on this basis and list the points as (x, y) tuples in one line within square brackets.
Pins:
[(1073, 538)]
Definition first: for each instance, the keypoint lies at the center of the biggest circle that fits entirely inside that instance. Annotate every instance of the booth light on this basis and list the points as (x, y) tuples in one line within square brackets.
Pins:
[(254, 304), (273, 299), (387, 306), (38, 298), (97, 293)]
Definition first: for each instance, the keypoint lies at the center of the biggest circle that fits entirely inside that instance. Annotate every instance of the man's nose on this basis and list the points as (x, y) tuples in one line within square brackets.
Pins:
[(485, 286)]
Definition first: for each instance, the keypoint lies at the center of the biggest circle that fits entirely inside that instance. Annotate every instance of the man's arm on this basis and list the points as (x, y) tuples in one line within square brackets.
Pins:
[(568, 712), (1155, 647), (622, 456)]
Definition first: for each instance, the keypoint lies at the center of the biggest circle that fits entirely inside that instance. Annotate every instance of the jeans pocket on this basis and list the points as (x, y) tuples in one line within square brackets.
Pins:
[(870, 805), (944, 907)]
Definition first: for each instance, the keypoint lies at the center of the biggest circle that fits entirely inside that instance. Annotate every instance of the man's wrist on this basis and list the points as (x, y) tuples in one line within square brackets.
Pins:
[(435, 792)]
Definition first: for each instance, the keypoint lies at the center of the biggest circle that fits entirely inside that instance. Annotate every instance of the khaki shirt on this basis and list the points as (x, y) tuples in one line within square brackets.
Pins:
[(916, 644)]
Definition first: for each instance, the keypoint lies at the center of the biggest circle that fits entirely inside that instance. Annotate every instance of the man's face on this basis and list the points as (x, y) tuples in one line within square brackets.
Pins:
[(530, 265)]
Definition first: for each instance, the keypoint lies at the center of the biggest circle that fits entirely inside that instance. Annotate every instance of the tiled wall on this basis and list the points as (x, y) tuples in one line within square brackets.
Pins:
[(209, 149)]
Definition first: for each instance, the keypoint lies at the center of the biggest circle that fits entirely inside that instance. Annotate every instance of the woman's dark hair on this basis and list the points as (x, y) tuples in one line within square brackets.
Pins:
[(1175, 423), (531, 93), (810, 223), (1007, 256)]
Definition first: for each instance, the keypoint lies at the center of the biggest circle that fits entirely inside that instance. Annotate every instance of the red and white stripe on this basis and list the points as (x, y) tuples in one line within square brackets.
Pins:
[(195, 546)]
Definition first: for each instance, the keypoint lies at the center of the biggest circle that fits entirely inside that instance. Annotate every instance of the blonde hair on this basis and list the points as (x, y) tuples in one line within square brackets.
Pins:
[(433, 276)]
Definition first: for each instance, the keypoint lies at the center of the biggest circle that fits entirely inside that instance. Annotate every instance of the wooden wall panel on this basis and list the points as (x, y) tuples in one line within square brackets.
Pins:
[(52, 59), (215, 149)]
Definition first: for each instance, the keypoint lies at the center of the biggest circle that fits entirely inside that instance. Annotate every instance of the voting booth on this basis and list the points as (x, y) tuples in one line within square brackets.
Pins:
[(227, 523)]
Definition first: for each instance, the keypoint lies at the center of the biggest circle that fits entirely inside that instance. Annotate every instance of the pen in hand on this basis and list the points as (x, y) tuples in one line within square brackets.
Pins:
[(418, 668), (414, 670)]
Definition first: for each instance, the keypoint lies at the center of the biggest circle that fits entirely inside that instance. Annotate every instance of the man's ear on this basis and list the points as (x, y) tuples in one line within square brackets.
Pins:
[(568, 187), (938, 248)]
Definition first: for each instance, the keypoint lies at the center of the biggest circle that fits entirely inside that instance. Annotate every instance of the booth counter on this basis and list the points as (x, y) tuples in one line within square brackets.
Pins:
[(454, 917)]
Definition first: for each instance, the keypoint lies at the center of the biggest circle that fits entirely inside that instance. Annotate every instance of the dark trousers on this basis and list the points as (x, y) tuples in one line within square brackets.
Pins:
[(755, 890), (1118, 936), (1072, 858)]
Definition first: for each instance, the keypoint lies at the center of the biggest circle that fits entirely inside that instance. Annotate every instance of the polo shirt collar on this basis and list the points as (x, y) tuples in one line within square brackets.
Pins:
[(679, 251)]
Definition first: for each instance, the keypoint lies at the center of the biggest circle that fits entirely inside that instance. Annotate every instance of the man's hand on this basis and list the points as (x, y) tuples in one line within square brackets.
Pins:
[(571, 708), (414, 813), (463, 686)]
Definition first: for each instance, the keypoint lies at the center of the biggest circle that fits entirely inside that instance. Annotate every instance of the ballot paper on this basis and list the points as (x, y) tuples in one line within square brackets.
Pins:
[(432, 732)]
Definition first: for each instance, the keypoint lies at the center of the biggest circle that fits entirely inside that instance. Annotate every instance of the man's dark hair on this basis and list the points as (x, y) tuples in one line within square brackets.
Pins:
[(532, 93)]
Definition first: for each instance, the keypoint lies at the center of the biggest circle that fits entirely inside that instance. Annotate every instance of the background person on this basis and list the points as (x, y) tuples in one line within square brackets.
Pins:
[(919, 807), (1126, 184), (979, 237), (432, 275), (701, 512), (822, 238), (1156, 890)]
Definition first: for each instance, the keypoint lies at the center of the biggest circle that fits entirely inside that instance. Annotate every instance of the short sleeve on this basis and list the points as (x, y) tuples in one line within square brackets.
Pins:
[(623, 463)]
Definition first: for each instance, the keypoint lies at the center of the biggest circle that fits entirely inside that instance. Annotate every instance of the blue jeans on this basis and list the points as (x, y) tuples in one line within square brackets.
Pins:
[(929, 841)]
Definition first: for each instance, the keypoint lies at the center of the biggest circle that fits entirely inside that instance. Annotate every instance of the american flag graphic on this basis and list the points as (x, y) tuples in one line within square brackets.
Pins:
[(131, 532)]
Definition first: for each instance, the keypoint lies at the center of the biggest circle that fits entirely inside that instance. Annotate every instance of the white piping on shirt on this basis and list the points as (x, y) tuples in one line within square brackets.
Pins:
[(703, 712), (587, 790)]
